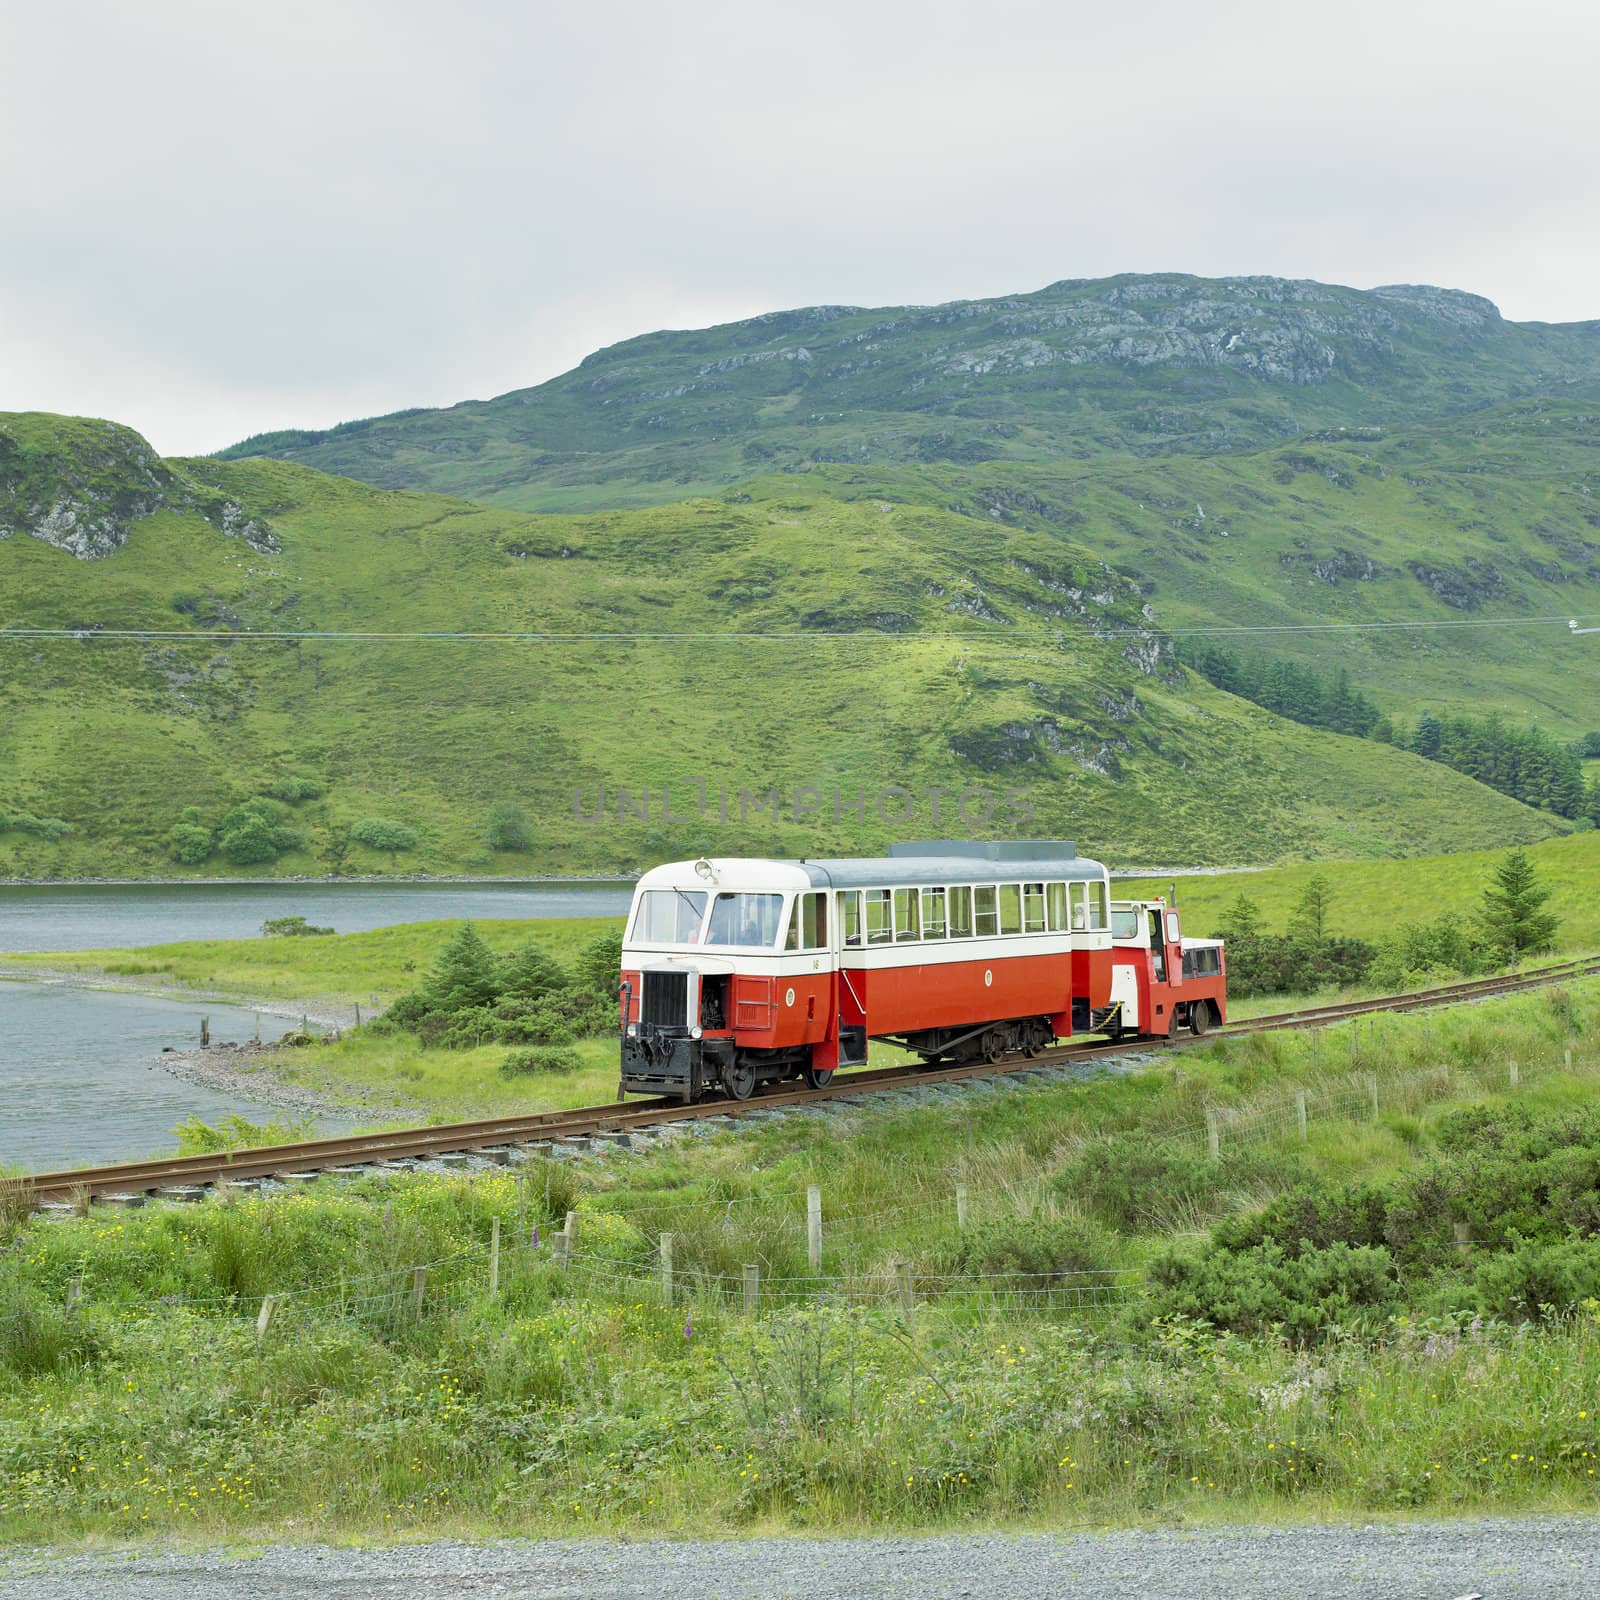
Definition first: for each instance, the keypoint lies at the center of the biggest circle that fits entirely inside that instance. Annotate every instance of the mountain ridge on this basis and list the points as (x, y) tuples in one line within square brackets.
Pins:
[(1143, 364)]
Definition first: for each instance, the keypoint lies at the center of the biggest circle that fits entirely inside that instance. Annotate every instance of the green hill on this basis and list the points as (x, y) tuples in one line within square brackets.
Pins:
[(1253, 452), (1136, 365), (775, 639)]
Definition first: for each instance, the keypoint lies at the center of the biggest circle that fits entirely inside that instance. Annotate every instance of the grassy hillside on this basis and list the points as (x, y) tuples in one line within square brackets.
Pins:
[(1370, 897), (1135, 364), (1004, 662)]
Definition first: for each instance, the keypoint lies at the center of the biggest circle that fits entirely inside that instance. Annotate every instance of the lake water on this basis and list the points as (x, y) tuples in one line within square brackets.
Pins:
[(98, 917), (81, 1079)]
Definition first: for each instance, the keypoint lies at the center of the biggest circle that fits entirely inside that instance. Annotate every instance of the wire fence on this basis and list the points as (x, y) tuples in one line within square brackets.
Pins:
[(848, 1248)]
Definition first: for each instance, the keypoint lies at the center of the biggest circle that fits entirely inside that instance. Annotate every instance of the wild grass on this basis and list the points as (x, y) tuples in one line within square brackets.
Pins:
[(576, 1401)]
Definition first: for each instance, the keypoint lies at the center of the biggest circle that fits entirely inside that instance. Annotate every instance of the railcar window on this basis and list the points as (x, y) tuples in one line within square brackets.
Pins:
[(933, 913), (1011, 908), (746, 919), (905, 915), (814, 921), (878, 926), (960, 913), (1097, 904), (1056, 893), (1125, 924), (1080, 907), (850, 914), (669, 916), (1174, 933), (1033, 908), (986, 917)]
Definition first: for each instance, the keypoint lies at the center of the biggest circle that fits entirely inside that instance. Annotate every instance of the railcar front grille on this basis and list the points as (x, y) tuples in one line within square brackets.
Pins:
[(666, 1000)]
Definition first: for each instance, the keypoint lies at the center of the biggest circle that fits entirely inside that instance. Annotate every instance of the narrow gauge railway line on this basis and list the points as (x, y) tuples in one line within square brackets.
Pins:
[(498, 1136)]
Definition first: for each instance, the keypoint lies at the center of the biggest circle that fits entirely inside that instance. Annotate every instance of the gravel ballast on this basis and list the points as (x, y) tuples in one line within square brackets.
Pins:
[(1524, 1559)]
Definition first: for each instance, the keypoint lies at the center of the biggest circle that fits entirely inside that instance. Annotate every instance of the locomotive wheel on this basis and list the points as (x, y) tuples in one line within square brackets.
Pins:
[(740, 1080), (818, 1077), (1172, 1027), (994, 1045), (1200, 1017)]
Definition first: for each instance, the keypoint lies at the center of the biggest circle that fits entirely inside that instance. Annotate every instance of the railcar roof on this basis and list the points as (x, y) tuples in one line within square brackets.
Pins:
[(859, 872), (943, 863)]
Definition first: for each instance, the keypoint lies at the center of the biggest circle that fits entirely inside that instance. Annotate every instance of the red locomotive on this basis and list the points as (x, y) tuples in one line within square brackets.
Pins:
[(739, 973)]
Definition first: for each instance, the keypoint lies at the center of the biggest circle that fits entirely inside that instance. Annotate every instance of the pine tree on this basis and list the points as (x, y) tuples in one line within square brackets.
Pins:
[(527, 971), (1425, 741), (1310, 920), (465, 974), (1513, 923)]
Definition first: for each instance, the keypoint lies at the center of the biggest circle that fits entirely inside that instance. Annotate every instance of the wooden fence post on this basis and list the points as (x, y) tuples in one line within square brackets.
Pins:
[(814, 1227), (1372, 1090), (752, 1287), (74, 1292), (419, 1288), (1511, 1071), (961, 1205), (1463, 1237), (269, 1307), (205, 1032), (1566, 1058), (908, 1294), (1300, 1112), (494, 1255), (666, 1268), (1213, 1135)]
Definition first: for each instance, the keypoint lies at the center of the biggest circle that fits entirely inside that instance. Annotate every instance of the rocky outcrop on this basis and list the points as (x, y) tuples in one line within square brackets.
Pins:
[(81, 485)]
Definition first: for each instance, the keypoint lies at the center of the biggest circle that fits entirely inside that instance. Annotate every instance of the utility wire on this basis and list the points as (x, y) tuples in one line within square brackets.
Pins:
[(806, 636)]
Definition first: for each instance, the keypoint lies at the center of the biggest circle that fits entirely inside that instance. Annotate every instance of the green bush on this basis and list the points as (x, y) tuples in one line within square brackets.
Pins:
[(1265, 1289), (1531, 1280), (190, 844), (531, 1063), (1027, 1251), (294, 789), (508, 829), (290, 928), (380, 833), (51, 828)]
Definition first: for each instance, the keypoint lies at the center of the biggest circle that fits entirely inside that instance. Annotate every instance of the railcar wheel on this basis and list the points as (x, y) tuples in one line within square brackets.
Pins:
[(994, 1046), (1200, 1017), (740, 1080), (1173, 1026), (817, 1077)]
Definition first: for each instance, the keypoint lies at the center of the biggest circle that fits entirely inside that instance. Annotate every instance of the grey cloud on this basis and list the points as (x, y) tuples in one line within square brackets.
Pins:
[(218, 221)]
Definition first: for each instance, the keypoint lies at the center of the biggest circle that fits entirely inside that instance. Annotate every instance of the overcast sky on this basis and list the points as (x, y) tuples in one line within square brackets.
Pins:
[(219, 219)]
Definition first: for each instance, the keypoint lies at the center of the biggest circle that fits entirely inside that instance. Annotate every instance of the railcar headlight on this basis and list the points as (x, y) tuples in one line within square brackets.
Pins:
[(695, 1033), (633, 1030)]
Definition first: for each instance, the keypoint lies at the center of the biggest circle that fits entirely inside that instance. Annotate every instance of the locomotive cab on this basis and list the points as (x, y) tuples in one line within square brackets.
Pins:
[(1161, 982)]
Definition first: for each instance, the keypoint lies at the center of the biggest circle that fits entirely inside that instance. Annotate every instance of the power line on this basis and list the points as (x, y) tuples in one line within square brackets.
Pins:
[(805, 636)]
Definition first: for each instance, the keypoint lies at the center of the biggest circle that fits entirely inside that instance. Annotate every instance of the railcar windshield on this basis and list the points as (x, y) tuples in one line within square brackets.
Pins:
[(746, 919), (669, 916), (1124, 924)]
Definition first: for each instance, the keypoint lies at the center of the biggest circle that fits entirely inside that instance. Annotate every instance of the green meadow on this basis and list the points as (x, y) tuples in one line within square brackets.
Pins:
[(931, 1373)]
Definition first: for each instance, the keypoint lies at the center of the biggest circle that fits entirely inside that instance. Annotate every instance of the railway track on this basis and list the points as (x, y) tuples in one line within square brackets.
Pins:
[(498, 1137)]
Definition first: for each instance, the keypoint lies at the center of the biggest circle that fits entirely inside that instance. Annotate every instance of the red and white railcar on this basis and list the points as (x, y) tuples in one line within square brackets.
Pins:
[(1160, 981), (741, 972)]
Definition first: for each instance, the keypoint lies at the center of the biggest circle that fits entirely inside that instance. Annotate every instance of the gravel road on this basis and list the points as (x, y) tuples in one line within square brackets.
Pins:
[(1507, 1560)]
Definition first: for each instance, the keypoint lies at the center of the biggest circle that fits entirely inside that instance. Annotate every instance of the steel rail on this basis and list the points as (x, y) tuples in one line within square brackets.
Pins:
[(410, 1144)]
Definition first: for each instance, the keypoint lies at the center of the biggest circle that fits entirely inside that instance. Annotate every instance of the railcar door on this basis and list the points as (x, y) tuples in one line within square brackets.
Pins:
[(1158, 947), (1174, 949)]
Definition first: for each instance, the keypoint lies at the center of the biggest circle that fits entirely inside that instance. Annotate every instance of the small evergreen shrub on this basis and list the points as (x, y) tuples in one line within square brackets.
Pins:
[(1028, 1251), (190, 844), (536, 1062), (290, 928), (381, 833), (294, 789), (508, 829)]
